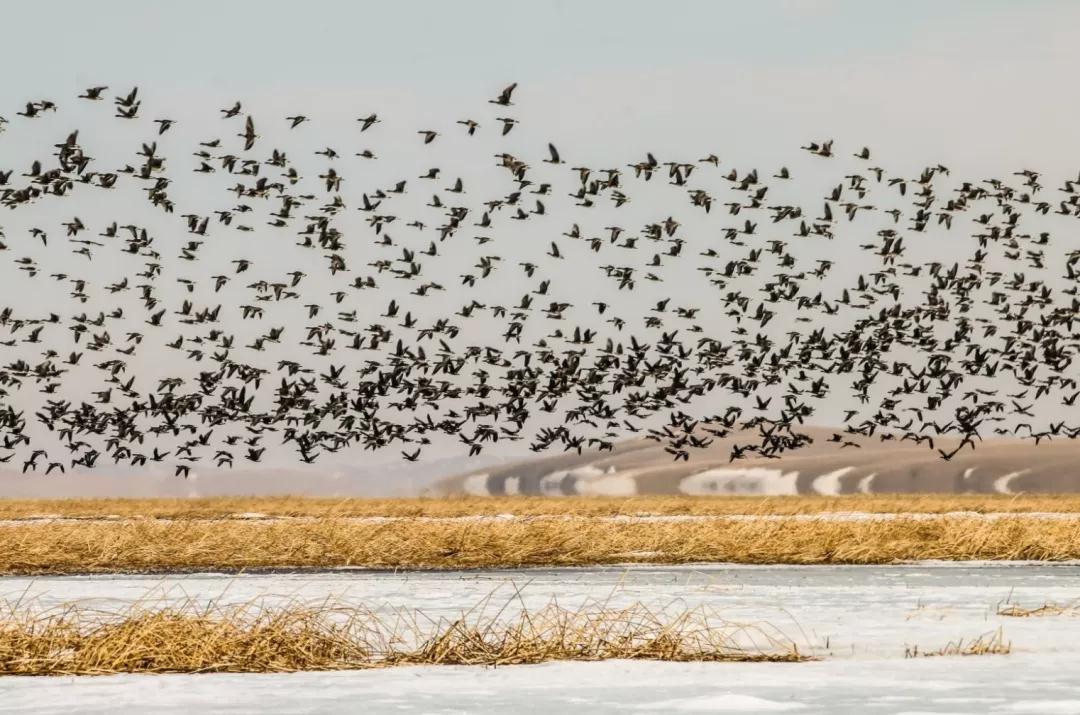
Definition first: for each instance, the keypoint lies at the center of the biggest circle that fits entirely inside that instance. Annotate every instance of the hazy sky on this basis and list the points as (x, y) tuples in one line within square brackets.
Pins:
[(242, 44), (982, 80)]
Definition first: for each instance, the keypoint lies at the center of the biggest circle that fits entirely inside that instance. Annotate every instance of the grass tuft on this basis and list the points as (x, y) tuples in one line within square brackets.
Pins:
[(190, 638), (993, 643), (1015, 610), (222, 507)]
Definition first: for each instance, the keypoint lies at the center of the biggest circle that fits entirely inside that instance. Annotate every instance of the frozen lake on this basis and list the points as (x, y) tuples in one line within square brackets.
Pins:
[(859, 619)]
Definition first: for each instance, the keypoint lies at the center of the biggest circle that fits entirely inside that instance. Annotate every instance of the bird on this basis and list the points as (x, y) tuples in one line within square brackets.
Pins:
[(93, 93), (368, 121), (504, 97), (249, 136), (508, 124)]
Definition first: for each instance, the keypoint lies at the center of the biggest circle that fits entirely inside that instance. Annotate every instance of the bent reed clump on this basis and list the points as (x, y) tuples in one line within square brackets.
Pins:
[(1015, 610), (193, 638), (148, 545)]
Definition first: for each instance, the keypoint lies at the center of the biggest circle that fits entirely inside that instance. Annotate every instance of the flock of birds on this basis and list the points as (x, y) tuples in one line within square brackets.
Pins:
[(920, 350)]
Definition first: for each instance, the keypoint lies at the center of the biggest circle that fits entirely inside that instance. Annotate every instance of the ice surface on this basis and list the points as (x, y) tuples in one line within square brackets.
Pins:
[(720, 703), (1024, 683), (859, 619)]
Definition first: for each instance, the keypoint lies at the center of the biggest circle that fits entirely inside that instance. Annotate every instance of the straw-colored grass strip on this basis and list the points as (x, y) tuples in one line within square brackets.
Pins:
[(154, 545), (219, 507)]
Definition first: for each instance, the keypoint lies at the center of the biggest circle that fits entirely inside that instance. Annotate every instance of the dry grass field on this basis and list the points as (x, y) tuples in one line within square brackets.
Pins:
[(545, 532), (248, 638), (532, 506)]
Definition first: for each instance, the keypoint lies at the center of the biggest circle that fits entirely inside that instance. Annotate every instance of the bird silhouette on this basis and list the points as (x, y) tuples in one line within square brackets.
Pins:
[(527, 306)]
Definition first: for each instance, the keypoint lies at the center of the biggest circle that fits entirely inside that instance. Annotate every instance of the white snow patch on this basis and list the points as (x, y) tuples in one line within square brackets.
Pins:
[(551, 484), (1001, 484), (865, 482), (608, 486), (476, 485), (829, 483), (748, 480)]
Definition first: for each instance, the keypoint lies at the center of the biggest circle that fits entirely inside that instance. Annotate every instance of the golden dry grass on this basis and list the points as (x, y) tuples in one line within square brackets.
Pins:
[(158, 545), (532, 506), (993, 643), (292, 637)]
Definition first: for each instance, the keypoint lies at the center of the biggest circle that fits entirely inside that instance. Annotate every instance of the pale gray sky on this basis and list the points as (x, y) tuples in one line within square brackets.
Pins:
[(983, 82)]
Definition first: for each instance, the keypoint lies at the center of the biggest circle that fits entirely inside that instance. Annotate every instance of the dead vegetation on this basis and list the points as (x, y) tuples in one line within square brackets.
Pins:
[(221, 507), (1015, 610), (993, 643), (161, 545), (251, 638)]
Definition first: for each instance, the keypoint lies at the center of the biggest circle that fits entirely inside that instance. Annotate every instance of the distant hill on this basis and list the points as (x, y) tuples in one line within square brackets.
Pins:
[(385, 478), (823, 467)]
